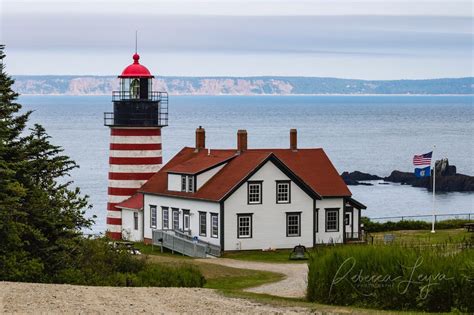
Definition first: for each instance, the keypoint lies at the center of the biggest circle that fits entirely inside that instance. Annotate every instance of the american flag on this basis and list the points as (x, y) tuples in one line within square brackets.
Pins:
[(422, 159)]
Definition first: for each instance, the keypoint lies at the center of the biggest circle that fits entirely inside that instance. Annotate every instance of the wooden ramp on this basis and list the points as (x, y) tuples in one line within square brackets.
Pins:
[(185, 244)]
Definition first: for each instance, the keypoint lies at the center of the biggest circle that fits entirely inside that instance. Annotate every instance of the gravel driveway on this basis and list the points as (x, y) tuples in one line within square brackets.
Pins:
[(34, 298), (294, 285)]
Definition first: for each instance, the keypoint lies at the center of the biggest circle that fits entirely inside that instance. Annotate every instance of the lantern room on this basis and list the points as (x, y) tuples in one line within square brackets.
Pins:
[(136, 80), (136, 104)]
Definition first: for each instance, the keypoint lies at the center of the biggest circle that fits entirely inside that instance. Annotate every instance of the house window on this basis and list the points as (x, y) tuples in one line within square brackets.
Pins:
[(347, 219), (283, 192), (244, 225), (153, 217), (214, 225), (316, 220), (175, 219), (202, 224), (293, 224), (135, 220), (255, 192), (190, 183), (186, 220), (332, 220), (183, 182), (165, 218)]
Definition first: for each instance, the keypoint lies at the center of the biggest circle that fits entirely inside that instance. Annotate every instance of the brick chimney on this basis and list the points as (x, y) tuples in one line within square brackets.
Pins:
[(200, 139), (241, 141), (293, 139)]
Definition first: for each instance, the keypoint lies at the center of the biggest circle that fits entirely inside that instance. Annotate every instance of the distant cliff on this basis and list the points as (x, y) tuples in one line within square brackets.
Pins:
[(103, 85)]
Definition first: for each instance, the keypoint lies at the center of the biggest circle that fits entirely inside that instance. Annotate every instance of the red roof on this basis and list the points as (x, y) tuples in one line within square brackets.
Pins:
[(311, 167), (135, 202), (202, 162), (136, 70)]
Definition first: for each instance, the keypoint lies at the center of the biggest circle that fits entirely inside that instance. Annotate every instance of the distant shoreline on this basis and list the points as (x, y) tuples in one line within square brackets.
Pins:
[(264, 95), (249, 86)]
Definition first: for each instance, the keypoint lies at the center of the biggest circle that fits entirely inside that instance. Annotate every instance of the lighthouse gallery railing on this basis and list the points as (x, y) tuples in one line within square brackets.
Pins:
[(157, 118)]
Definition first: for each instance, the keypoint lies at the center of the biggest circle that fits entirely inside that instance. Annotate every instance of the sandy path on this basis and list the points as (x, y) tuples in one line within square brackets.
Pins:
[(33, 298), (294, 285)]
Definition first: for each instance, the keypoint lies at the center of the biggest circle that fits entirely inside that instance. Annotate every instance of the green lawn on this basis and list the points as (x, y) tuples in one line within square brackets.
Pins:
[(217, 277), (277, 256), (231, 282), (451, 236)]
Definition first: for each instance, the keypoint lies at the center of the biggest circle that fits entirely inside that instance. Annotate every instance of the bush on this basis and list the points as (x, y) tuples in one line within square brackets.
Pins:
[(393, 277), (100, 265), (371, 226)]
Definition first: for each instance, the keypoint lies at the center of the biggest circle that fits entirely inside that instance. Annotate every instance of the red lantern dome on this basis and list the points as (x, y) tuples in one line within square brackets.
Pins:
[(136, 70)]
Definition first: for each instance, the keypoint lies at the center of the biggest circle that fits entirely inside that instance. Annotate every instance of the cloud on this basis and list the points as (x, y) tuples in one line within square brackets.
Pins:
[(82, 31), (304, 34)]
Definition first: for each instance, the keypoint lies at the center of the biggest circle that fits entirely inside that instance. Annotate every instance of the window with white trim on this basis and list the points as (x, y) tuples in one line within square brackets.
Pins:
[(255, 192), (153, 216), (175, 219), (332, 220), (283, 192), (202, 223), (214, 225), (165, 212), (190, 183), (186, 220), (293, 224), (183, 182), (244, 226), (187, 183), (135, 220)]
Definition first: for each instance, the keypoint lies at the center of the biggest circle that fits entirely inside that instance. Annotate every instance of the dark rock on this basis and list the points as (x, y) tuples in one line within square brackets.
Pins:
[(401, 177), (447, 180), (351, 182), (357, 176)]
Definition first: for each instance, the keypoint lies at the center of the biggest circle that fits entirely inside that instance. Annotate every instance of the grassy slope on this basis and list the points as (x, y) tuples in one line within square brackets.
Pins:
[(277, 256), (405, 237), (426, 237), (231, 282)]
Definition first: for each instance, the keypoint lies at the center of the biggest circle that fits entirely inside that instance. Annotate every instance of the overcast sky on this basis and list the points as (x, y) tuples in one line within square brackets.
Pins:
[(369, 39)]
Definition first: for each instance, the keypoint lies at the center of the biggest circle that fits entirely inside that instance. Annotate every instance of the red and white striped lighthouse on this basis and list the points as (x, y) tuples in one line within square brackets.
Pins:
[(135, 138)]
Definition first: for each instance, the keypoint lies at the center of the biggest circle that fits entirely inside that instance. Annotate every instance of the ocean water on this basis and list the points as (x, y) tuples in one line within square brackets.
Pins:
[(373, 134)]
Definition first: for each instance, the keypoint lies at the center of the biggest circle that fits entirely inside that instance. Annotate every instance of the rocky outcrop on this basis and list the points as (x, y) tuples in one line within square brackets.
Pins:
[(447, 180), (355, 178)]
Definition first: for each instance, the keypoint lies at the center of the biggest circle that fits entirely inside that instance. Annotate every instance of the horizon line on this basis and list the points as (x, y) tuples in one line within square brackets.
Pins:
[(232, 76)]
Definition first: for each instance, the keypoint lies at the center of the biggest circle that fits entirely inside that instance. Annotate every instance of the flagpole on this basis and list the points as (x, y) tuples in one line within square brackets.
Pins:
[(434, 191)]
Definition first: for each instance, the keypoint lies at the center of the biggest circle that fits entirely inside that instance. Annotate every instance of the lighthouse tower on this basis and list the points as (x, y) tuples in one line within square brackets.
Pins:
[(135, 138)]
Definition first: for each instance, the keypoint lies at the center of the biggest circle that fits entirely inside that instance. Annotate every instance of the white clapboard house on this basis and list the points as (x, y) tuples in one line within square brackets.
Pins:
[(243, 199)]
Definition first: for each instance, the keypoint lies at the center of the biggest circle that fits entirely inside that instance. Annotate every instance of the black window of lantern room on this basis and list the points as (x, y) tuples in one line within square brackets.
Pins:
[(137, 105)]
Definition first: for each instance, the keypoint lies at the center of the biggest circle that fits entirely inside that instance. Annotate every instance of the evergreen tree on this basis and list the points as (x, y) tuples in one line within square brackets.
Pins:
[(41, 216)]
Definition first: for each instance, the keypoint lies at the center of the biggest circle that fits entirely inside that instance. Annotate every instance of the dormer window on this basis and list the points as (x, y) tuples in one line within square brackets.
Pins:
[(190, 183), (187, 183)]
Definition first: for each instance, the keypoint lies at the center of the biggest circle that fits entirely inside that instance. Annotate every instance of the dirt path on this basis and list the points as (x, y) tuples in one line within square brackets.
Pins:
[(294, 285), (33, 298)]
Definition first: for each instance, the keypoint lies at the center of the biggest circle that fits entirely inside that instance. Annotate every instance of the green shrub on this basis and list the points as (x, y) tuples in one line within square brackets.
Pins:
[(393, 277), (99, 264), (371, 226)]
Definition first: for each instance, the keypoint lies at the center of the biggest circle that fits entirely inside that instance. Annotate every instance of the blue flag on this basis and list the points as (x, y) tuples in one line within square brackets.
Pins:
[(423, 172)]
